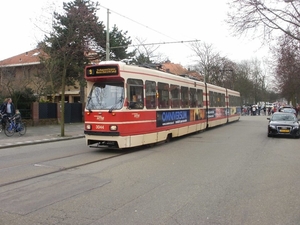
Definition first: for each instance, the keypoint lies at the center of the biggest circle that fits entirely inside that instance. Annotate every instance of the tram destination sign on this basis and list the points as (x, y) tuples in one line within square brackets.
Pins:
[(107, 70)]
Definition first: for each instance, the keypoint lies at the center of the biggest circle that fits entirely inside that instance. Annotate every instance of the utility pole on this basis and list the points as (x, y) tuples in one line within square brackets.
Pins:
[(107, 37)]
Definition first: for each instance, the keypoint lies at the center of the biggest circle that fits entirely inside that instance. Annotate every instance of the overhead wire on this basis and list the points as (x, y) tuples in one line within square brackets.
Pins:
[(156, 31)]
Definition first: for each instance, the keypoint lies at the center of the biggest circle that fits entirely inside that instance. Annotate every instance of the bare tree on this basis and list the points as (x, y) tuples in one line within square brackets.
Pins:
[(147, 53), (47, 80), (228, 74), (257, 78), (243, 82), (207, 60), (287, 68), (216, 69), (265, 17)]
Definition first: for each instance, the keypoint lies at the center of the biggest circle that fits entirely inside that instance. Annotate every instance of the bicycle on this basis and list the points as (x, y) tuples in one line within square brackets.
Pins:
[(14, 125), (3, 121)]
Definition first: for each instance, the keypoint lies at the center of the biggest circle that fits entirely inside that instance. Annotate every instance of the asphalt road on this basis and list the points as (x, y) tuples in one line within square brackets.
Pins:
[(233, 174)]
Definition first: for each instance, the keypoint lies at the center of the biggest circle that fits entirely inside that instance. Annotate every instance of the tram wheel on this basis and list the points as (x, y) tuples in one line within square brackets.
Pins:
[(169, 138)]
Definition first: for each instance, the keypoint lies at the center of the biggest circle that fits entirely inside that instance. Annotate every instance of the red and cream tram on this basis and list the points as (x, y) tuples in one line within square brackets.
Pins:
[(130, 106)]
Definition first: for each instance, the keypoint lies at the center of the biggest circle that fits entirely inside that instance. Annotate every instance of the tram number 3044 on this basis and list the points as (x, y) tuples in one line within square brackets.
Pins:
[(99, 127)]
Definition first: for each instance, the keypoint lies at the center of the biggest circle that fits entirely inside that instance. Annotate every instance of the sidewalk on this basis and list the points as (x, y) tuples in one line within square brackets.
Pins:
[(42, 134)]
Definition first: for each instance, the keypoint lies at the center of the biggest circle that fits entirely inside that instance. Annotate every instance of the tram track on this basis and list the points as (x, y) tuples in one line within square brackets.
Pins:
[(62, 169)]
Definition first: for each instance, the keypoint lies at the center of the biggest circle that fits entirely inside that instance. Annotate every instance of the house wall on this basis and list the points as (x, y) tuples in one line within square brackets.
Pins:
[(18, 78)]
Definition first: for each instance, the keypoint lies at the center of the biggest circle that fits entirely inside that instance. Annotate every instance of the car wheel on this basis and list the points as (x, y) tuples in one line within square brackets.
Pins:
[(297, 135), (269, 135)]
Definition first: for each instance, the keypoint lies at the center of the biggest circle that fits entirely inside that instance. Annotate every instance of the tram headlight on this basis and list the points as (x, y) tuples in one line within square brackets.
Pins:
[(88, 126), (113, 127)]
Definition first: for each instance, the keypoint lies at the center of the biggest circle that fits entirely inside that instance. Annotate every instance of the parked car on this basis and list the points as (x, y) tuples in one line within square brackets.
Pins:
[(288, 110), (284, 124)]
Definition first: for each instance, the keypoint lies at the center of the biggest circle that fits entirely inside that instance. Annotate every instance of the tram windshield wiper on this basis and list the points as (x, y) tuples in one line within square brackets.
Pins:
[(88, 101), (115, 106), (111, 109)]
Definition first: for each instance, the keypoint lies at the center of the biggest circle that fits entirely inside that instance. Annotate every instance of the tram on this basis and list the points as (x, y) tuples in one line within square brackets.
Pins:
[(129, 105)]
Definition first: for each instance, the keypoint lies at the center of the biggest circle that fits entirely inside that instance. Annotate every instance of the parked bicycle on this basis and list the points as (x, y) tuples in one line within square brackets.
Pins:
[(13, 125)]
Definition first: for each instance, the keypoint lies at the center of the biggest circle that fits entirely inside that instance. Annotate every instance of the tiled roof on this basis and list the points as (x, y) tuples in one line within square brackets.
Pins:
[(180, 70), (26, 58), (174, 68)]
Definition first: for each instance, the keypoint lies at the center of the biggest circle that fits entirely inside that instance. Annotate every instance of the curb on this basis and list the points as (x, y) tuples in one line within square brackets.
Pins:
[(40, 141)]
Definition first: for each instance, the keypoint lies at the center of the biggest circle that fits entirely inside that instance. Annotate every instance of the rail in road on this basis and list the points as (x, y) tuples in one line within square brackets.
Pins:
[(73, 162), (48, 167), (232, 174)]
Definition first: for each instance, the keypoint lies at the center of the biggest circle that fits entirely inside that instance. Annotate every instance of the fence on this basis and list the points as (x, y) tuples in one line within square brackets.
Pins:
[(50, 113)]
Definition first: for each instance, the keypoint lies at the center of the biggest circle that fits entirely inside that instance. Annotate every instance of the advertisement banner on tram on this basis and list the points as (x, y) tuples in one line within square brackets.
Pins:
[(166, 118)]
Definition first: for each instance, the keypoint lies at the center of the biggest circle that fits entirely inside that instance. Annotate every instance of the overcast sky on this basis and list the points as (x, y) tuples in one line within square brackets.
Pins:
[(157, 21)]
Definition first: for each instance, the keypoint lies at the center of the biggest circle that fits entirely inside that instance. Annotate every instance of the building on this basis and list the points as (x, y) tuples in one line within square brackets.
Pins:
[(178, 69), (25, 70)]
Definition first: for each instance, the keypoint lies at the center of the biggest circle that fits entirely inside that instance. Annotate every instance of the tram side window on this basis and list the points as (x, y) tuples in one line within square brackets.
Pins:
[(163, 95), (150, 94), (219, 102), (135, 94), (200, 98), (193, 97), (184, 97), (175, 96), (223, 100), (216, 99), (234, 100), (211, 99), (231, 101)]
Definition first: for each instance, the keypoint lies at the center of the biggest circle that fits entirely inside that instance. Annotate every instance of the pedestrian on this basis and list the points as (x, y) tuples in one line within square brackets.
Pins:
[(254, 109), (10, 108), (269, 110)]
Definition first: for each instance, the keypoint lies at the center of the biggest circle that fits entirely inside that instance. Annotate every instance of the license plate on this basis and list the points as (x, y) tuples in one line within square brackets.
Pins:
[(284, 131)]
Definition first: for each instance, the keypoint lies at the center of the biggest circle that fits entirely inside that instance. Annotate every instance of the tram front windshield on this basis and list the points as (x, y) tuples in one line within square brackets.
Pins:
[(104, 96)]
